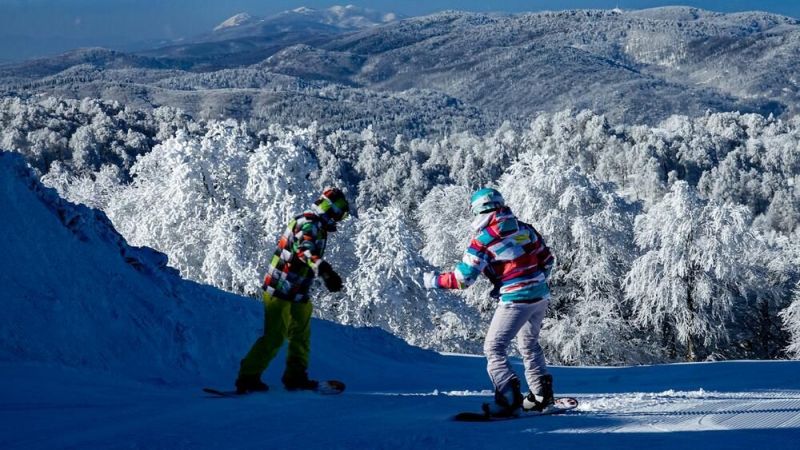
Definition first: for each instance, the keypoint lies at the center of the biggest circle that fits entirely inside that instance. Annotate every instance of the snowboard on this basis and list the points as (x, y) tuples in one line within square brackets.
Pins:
[(329, 387), (560, 406)]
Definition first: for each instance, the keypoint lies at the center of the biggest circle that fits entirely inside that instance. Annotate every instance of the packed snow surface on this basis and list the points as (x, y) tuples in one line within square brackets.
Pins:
[(101, 346), (394, 400)]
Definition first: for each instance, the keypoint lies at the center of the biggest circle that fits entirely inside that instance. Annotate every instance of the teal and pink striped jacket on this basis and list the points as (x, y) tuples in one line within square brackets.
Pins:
[(511, 253)]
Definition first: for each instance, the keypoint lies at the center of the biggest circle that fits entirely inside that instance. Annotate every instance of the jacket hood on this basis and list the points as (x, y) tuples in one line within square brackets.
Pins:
[(483, 220)]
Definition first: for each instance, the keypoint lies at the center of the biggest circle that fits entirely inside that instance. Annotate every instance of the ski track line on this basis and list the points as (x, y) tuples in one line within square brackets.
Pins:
[(670, 411), (772, 413)]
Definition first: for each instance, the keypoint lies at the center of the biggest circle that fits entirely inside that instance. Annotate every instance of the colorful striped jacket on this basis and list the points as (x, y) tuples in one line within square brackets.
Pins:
[(297, 258), (511, 253)]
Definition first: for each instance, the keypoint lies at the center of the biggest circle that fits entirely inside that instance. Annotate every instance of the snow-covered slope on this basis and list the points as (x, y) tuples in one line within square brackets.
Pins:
[(103, 347), (97, 58), (737, 405), (75, 294)]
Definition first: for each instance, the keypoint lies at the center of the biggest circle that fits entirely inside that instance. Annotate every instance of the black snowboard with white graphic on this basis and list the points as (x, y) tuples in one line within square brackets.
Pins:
[(560, 406)]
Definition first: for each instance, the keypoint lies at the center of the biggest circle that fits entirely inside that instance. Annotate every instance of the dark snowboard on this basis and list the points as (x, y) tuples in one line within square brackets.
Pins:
[(329, 387), (561, 405)]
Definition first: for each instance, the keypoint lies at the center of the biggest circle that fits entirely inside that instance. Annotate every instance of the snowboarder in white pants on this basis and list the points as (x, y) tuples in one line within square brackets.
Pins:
[(523, 320), (513, 255)]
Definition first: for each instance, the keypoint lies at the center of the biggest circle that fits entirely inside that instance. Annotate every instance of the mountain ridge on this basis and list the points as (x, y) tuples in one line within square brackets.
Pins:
[(635, 66)]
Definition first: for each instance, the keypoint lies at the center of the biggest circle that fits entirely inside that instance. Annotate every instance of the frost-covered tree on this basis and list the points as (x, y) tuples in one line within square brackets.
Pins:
[(445, 219), (589, 230), (756, 331), (94, 189), (385, 288), (388, 174), (215, 195), (172, 203), (280, 179), (217, 204), (694, 266), (81, 135), (791, 320), (235, 252)]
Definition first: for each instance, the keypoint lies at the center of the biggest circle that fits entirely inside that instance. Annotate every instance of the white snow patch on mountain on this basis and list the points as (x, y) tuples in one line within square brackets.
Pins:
[(345, 17), (235, 21)]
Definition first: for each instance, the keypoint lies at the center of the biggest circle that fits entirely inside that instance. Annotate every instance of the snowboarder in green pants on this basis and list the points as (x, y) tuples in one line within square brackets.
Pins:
[(287, 307)]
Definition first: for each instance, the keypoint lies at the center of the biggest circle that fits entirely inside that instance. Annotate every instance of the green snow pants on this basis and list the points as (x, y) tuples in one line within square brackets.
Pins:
[(282, 320)]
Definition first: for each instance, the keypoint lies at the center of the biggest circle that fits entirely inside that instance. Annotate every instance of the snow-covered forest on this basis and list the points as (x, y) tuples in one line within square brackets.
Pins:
[(679, 241)]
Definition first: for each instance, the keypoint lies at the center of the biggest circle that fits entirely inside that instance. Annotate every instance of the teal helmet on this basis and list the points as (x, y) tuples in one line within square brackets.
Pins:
[(485, 200)]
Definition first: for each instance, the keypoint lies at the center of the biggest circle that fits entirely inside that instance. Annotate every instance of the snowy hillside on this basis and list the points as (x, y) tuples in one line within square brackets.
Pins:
[(75, 294), (607, 61), (103, 347), (633, 66)]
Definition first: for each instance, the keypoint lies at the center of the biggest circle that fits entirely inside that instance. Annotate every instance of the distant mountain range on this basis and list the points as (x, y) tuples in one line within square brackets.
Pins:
[(338, 17), (480, 69), (244, 39)]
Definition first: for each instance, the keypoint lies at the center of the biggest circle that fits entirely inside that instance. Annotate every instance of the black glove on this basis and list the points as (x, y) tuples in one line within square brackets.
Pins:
[(331, 279)]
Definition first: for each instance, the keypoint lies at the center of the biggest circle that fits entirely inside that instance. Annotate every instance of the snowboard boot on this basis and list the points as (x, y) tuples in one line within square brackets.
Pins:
[(250, 383), (299, 382), (540, 401), (506, 403)]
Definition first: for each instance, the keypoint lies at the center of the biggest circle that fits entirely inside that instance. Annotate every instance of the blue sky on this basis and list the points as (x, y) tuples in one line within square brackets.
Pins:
[(40, 27)]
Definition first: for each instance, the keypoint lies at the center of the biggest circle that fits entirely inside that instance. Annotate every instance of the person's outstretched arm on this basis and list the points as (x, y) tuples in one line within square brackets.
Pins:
[(475, 259)]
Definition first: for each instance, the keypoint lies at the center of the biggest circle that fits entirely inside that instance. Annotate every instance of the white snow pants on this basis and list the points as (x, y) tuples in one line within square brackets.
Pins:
[(523, 320)]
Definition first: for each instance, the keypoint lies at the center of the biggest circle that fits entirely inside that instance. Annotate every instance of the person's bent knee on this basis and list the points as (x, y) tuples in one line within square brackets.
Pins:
[(527, 352), (494, 349)]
